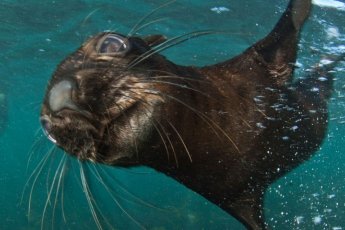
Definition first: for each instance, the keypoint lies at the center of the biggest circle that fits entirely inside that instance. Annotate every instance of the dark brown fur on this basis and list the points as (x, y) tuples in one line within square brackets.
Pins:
[(226, 131)]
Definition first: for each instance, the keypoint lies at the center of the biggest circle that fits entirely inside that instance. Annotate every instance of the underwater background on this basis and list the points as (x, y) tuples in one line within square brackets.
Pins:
[(42, 188)]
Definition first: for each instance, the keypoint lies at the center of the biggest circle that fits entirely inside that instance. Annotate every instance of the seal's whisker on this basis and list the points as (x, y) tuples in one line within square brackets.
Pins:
[(170, 143), (149, 23), (186, 79), (93, 200), (63, 193), (52, 186), (50, 174), (37, 168), (37, 144), (122, 187), (164, 131), (168, 83), (168, 44), (209, 121), (89, 16), (89, 198), (166, 134), (201, 115), (181, 139), (145, 104), (137, 25), (59, 187), (225, 134), (161, 136), (100, 179), (38, 171), (177, 85), (157, 128), (166, 74), (112, 28), (171, 43)]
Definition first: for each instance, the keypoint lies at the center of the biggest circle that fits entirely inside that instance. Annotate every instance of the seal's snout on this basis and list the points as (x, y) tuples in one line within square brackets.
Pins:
[(60, 96), (47, 127)]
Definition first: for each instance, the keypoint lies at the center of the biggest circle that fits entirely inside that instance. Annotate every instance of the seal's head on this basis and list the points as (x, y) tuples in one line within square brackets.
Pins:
[(99, 103)]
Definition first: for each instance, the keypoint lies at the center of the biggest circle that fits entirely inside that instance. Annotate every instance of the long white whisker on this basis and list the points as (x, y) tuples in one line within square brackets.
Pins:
[(181, 139), (62, 199), (99, 178), (160, 134), (35, 145), (59, 186), (51, 190), (89, 196), (62, 191), (168, 44), (39, 168), (89, 16), (122, 187), (148, 24), (162, 138), (137, 25), (177, 85), (208, 120), (33, 173), (173, 76)]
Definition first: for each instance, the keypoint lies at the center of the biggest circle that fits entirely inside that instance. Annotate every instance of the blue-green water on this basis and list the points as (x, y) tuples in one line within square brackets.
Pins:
[(36, 35)]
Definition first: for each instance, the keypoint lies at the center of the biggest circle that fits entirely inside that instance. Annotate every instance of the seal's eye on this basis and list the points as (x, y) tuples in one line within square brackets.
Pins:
[(112, 44)]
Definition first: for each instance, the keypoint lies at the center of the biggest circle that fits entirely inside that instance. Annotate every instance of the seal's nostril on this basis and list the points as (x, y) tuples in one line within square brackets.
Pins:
[(60, 96), (47, 127)]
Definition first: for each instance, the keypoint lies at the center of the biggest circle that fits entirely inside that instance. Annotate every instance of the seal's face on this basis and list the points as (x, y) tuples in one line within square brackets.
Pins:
[(97, 107)]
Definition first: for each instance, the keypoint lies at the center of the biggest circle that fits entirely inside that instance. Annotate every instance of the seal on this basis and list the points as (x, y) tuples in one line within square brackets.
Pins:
[(226, 131)]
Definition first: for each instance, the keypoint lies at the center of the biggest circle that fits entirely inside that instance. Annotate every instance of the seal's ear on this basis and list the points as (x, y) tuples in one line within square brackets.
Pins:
[(154, 40)]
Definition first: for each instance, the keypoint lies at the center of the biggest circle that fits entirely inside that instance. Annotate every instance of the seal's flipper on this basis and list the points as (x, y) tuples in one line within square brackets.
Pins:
[(278, 49), (274, 55), (248, 210)]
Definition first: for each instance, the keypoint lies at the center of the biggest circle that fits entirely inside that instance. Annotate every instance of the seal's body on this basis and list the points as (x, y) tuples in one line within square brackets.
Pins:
[(226, 131)]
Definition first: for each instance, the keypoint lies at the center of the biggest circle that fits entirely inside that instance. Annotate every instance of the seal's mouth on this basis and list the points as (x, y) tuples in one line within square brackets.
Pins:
[(46, 127)]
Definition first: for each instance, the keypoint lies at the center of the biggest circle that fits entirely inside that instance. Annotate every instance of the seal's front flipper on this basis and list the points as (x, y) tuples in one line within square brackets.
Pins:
[(278, 49), (275, 55), (248, 210)]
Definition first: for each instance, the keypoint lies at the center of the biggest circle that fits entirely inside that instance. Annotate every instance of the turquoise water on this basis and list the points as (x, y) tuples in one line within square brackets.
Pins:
[(36, 35)]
